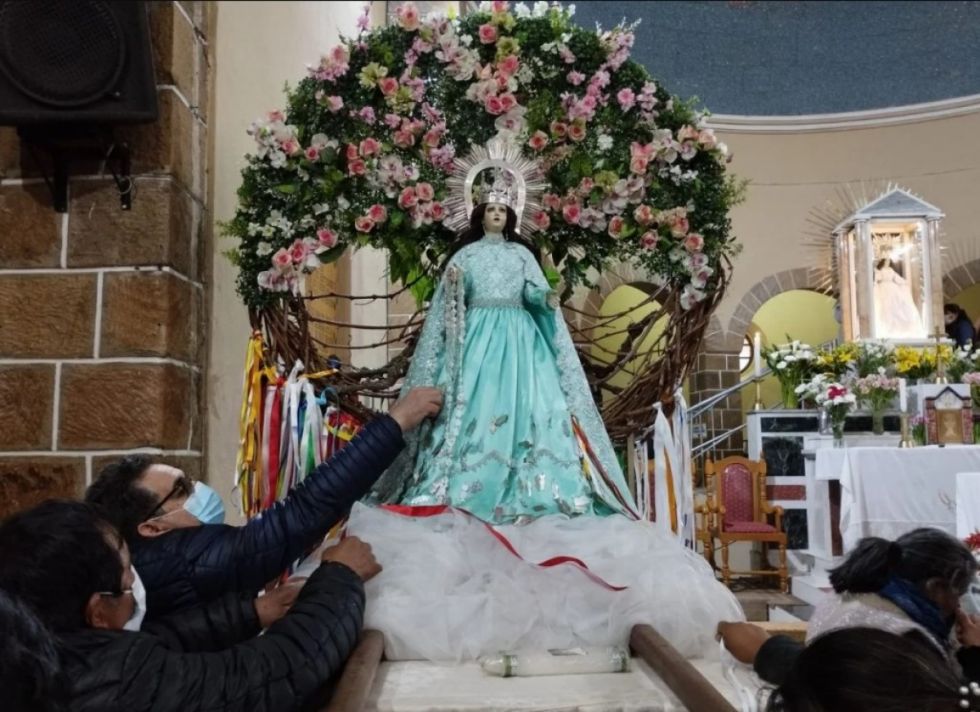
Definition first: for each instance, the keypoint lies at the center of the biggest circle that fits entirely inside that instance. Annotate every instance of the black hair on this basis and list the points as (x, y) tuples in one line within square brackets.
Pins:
[(31, 677), (918, 556), (55, 556), (119, 496), (860, 669), (954, 309), (475, 232)]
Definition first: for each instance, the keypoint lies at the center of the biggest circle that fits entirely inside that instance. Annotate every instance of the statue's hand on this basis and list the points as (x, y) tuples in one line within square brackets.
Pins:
[(553, 299)]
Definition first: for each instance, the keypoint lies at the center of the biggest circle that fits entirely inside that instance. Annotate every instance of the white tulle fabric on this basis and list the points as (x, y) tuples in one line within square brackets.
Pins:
[(450, 591)]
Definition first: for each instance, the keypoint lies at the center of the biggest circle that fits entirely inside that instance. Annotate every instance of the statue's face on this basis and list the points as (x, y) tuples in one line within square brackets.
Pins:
[(495, 217)]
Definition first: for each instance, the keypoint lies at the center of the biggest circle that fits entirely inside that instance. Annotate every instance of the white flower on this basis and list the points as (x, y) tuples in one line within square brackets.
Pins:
[(485, 6), (540, 8), (522, 10), (343, 203), (605, 142), (263, 249), (781, 365)]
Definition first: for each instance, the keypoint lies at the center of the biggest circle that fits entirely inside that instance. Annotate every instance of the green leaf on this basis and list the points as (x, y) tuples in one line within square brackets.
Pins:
[(287, 188), (396, 218), (553, 276), (333, 254)]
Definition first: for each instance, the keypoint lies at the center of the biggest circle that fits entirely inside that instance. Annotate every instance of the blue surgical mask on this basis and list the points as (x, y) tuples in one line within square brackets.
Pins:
[(205, 504)]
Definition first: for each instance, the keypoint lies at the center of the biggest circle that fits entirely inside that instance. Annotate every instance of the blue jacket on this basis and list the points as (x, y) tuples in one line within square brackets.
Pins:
[(193, 566)]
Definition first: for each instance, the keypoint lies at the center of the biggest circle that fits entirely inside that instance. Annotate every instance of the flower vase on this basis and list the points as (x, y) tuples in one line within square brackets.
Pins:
[(824, 426), (791, 401), (878, 421), (838, 430)]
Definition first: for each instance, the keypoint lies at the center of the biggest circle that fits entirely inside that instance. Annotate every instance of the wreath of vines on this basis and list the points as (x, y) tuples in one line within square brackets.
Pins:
[(362, 152)]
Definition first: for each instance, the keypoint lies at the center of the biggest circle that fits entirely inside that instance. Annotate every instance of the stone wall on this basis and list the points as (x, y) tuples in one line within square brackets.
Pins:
[(101, 310)]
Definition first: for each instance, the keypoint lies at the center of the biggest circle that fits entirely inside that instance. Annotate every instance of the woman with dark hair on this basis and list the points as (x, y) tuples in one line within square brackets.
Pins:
[(958, 326), (909, 587), (865, 669)]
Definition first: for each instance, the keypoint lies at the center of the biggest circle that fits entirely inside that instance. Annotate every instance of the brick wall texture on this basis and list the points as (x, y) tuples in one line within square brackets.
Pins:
[(102, 310)]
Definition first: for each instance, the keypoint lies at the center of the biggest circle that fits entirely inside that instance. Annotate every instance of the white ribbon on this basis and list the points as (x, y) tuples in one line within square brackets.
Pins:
[(684, 475), (746, 700)]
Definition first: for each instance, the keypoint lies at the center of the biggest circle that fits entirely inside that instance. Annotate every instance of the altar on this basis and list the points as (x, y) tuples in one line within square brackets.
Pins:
[(887, 492)]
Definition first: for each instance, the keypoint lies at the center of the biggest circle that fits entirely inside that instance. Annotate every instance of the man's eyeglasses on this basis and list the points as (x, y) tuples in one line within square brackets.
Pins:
[(183, 487)]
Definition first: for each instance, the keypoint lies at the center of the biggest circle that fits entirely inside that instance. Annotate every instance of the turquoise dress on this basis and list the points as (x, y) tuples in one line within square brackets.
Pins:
[(505, 446)]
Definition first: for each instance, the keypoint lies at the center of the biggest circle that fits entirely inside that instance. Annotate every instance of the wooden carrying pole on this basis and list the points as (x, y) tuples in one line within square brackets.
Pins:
[(355, 683), (690, 686)]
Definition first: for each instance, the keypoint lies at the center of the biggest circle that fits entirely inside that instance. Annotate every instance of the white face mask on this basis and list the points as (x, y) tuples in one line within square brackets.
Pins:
[(139, 598)]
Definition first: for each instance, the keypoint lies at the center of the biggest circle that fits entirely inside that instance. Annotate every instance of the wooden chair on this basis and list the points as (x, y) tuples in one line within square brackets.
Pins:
[(738, 510)]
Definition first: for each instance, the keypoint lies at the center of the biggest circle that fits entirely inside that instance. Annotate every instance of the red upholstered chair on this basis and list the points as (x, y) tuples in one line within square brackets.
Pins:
[(737, 510)]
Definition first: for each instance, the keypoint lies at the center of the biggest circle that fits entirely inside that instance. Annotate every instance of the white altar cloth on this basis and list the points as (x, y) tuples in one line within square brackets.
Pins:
[(967, 503), (887, 492), (416, 686)]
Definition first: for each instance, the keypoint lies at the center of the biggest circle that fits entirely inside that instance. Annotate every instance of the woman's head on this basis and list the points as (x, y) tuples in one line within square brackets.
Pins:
[(938, 564), (494, 217), (69, 564), (860, 669), (952, 312)]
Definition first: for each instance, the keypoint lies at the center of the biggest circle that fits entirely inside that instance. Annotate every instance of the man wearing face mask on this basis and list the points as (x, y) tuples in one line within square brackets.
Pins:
[(175, 527), (73, 569)]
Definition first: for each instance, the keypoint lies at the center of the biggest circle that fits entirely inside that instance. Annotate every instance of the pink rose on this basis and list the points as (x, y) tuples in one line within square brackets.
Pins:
[(352, 154), (282, 260), (616, 225), (571, 212), (542, 220), (687, 133), (639, 150), (408, 17), (551, 201), (424, 191), (438, 211), (576, 131), (364, 224), (493, 105), (679, 227), (507, 102), (312, 153), (499, 6), (639, 165), (432, 138), (370, 147), (388, 85), (558, 129), (298, 252), (378, 213), (693, 242), (393, 120), (626, 99), (334, 104), (643, 215), (290, 146), (509, 65), (356, 167), (575, 78), (404, 139), (488, 34), (707, 139), (538, 140), (649, 240), (408, 198), (326, 237), (277, 115), (586, 185)]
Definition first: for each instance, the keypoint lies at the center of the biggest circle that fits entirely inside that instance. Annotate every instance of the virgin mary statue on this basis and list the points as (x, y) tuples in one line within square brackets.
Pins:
[(507, 522)]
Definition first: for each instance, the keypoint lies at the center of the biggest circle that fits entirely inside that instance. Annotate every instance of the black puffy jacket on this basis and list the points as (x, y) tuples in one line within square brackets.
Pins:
[(211, 659), (190, 566)]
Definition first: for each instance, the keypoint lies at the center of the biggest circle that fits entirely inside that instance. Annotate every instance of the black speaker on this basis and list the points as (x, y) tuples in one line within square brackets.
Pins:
[(75, 61)]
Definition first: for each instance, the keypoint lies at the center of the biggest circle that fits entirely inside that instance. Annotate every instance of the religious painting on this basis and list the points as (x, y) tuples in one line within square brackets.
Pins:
[(949, 419)]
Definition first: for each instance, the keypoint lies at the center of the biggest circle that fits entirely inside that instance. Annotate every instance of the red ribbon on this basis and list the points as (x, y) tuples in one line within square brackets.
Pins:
[(437, 509)]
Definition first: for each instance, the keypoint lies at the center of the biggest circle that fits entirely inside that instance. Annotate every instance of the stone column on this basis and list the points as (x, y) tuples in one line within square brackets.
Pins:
[(101, 318), (714, 372)]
